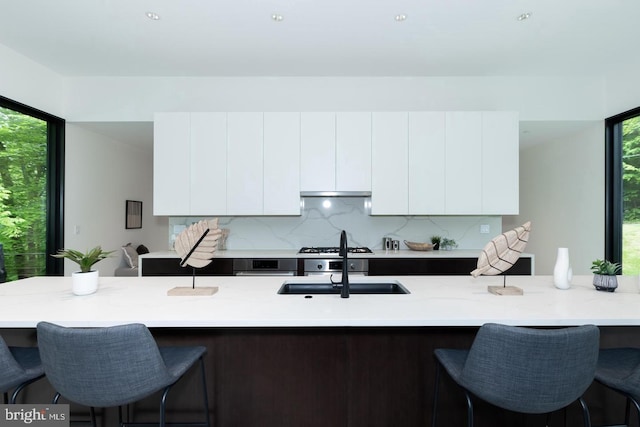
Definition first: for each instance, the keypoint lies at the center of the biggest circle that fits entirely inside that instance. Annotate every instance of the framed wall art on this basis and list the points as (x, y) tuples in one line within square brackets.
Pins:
[(133, 214)]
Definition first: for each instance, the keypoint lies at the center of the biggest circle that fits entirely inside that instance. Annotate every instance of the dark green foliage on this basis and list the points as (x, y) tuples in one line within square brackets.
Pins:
[(604, 267), (631, 169), (84, 260), (23, 177)]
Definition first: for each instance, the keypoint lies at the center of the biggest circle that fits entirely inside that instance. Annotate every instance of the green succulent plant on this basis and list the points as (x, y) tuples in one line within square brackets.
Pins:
[(604, 267), (84, 260), (448, 244)]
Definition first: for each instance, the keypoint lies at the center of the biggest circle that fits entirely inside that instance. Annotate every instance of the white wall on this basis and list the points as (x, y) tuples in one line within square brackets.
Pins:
[(101, 174), (29, 83), (622, 92), (562, 193), (137, 98)]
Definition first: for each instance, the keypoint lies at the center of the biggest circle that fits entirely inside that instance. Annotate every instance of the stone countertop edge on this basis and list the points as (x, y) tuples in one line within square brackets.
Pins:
[(250, 302)]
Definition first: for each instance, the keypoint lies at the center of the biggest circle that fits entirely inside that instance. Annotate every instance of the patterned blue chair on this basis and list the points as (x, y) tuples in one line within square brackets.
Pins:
[(19, 367), (114, 366), (526, 370)]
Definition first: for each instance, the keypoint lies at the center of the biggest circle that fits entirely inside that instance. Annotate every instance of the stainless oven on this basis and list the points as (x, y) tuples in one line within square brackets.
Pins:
[(315, 267), (265, 267)]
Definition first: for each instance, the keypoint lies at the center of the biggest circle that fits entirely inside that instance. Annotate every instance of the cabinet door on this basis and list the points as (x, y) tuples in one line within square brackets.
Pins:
[(353, 151), (389, 166), (463, 170), (281, 164), (171, 164), (244, 163), (426, 163), (317, 151), (208, 164), (500, 169)]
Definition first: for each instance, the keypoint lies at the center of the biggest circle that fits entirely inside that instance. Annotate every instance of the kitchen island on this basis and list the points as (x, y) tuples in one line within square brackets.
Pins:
[(288, 360)]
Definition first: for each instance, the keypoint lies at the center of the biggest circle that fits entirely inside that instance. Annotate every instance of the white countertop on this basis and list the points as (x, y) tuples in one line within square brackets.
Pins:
[(293, 253), (253, 302)]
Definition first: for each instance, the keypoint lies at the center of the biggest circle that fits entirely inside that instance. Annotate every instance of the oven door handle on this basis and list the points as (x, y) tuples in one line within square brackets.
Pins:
[(264, 273)]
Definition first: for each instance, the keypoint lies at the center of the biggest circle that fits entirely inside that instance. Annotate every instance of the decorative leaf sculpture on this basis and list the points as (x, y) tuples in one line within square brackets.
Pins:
[(502, 251), (191, 237)]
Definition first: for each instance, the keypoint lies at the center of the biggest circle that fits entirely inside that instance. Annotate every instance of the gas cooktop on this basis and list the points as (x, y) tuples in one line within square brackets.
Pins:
[(333, 250)]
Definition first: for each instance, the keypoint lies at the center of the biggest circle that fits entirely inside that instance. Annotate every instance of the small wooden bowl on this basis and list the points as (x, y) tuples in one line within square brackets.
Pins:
[(415, 246)]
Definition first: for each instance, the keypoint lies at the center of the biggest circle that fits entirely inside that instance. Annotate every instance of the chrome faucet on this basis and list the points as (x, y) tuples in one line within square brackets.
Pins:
[(344, 291)]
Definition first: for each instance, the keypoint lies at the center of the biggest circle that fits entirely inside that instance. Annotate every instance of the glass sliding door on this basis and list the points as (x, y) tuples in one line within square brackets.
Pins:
[(623, 191), (631, 195), (30, 190)]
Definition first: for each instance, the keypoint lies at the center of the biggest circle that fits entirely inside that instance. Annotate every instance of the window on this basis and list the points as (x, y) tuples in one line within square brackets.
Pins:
[(622, 199), (31, 190)]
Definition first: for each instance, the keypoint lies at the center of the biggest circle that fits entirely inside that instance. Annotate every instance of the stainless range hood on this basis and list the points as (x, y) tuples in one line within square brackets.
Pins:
[(335, 194)]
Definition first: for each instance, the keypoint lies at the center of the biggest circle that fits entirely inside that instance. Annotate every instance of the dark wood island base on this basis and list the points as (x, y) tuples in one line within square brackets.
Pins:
[(341, 376)]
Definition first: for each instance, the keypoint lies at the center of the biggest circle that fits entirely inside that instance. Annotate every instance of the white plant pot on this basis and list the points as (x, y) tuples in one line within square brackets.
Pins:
[(84, 283)]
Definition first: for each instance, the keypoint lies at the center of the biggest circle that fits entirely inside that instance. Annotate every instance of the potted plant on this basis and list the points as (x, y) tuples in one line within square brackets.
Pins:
[(604, 275), (85, 281), (435, 240), (448, 244)]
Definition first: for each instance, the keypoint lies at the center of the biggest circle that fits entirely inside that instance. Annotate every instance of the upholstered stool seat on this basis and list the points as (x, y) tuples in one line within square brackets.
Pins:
[(19, 367), (619, 369), (533, 371), (114, 366)]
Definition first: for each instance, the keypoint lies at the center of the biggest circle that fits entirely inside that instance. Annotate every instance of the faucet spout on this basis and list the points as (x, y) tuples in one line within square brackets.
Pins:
[(344, 291)]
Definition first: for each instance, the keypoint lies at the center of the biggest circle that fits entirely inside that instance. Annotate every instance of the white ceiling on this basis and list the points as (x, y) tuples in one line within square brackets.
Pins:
[(322, 37)]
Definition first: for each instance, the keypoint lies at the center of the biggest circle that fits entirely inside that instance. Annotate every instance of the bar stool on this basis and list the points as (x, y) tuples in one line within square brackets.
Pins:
[(533, 371), (619, 369), (19, 367), (114, 366)]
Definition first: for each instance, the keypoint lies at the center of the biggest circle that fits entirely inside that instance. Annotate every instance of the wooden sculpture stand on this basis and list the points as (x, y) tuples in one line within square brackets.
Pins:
[(183, 291), (504, 289)]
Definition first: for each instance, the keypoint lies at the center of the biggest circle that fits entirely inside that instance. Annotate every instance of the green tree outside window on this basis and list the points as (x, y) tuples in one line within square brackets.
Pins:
[(23, 196)]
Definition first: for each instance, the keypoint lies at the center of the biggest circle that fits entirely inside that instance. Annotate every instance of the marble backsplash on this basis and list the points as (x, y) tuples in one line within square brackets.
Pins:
[(323, 218)]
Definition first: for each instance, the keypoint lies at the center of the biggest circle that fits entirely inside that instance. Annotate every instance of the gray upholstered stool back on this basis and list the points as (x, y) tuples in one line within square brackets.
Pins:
[(102, 367), (531, 370), (19, 366)]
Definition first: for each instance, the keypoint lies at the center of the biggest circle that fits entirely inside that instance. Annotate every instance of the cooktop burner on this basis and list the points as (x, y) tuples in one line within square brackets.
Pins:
[(333, 250)]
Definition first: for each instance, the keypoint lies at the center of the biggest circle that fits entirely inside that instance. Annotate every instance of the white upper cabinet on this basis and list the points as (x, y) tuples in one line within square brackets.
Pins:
[(353, 151), (244, 163), (413, 163), (335, 152), (317, 151), (500, 163), (389, 166), (171, 164), (208, 164), (427, 141), (281, 164), (463, 163)]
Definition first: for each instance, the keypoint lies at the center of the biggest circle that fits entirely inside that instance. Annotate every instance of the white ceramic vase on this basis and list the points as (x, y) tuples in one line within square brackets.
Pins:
[(562, 272), (84, 283)]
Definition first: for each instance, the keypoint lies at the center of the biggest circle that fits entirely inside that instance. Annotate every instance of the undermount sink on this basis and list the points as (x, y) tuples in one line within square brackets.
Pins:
[(309, 288)]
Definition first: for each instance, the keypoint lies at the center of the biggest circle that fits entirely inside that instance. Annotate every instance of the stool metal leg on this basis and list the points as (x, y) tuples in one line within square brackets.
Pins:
[(469, 409), (435, 394)]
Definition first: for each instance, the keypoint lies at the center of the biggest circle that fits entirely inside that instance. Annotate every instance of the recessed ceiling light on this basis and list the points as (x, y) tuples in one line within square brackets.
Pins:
[(524, 16), (400, 17), (153, 16), (277, 17)]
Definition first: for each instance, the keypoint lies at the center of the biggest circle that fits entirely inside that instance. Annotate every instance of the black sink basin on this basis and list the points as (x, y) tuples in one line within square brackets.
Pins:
[(309, 288)]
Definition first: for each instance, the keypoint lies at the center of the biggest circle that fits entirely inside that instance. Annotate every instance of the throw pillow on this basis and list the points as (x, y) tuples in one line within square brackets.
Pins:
[(130, 255), (142, 249)]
